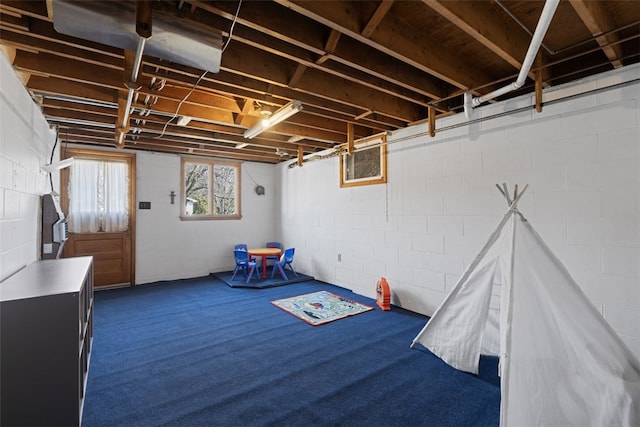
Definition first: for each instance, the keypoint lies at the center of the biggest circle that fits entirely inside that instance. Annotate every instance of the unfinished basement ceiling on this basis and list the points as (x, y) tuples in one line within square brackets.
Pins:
[(377, 65)]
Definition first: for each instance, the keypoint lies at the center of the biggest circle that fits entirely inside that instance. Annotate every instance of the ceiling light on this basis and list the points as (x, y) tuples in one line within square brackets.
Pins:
[(242, 145), (282, 114)]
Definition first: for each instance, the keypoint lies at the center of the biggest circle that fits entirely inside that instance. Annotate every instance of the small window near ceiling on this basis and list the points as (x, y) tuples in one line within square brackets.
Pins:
[(366, 165), (210, 189)]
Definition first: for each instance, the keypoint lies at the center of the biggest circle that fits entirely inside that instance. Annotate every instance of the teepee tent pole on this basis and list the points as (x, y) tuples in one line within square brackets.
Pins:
[(506, 324)]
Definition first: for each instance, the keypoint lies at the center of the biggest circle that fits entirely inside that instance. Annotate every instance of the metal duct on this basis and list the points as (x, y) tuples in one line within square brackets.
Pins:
[(114, 24)]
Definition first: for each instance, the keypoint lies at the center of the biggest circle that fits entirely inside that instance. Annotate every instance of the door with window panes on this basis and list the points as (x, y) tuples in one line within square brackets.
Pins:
[(98, 193)]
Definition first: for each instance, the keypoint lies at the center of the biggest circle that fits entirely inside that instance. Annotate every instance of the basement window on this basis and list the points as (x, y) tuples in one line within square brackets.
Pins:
[(210, 189), (366, 165)]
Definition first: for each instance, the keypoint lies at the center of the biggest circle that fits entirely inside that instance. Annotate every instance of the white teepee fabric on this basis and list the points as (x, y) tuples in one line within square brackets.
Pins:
[(561, 363)]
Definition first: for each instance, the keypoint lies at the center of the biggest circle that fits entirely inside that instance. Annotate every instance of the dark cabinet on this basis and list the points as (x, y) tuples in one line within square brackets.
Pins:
[(46, 329)]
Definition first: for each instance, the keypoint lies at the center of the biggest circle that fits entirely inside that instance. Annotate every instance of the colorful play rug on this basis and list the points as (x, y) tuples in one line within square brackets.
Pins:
[(320, 307)]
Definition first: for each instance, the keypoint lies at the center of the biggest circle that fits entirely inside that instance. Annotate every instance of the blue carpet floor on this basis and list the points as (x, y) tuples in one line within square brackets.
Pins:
[(199, 353)]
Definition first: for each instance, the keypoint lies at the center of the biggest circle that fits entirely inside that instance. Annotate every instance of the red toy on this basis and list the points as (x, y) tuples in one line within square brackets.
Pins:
[(383, 294)]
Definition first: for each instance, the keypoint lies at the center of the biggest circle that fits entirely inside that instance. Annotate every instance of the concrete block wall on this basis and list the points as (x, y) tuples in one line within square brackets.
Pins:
[(168, 248), (580, 157), (26, 142)]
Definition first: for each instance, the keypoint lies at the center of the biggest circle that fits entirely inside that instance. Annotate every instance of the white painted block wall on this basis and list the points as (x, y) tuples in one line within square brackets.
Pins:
[(25, 145), (580, 157), (168, 248)]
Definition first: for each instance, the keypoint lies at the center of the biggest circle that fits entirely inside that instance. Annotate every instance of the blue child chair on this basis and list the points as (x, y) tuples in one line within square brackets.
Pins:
[(242, 263), (242, 247), (285, 259), (273, 245)]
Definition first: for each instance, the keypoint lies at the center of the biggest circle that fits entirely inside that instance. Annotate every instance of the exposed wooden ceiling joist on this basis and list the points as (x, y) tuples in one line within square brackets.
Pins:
[(369, 66)]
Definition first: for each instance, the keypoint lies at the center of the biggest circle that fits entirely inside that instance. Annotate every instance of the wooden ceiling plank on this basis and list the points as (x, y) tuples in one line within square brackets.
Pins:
[(480, 21), (275, 71), (357, 75), (49, 4), (197, 112), (300, 69), (35, 9), (84, 74), (259, 22), (245, 110), (35, 44), (163, 147), (20, 23), (70, 69), (61, 87), (234, 85), (45, 31), (198, 97), (78, 106), (383, 66), (394, 39), (378, 16), (332, 41), (598, 19)]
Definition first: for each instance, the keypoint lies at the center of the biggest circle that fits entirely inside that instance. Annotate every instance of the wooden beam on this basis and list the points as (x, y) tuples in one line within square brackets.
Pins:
[(480, 20), (394, 39), (234, 85), (378, 16), (122, 123), (598, 19), (332, 41), (286, 27), (265, 69), (431, 126), (329, 47), (49, 9), (297, 75), (538, 84), (300, 155), (350, 139)]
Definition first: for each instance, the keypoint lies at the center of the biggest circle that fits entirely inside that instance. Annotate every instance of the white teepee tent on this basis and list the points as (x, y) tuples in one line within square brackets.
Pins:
[(560, 362)]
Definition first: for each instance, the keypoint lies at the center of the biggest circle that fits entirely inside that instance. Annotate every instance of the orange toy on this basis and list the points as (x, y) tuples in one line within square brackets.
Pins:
[(383, 294)]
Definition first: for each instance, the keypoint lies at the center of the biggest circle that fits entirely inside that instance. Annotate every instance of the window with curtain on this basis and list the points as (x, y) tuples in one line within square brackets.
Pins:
[(98, 196)]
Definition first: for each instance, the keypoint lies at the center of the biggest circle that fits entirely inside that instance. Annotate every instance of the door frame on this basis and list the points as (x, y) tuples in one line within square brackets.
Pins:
[(130, 158)]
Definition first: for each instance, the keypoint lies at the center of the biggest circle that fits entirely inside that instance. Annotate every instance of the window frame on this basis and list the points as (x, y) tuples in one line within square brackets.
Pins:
[(211, 163), (366, 144), (100, 155)]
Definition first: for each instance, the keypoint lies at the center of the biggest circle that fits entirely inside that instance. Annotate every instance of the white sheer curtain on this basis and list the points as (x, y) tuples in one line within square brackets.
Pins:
[(98, 193), (115, 201)]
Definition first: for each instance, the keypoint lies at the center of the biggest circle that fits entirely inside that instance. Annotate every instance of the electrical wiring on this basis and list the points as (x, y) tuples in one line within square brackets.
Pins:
[(233, 24)]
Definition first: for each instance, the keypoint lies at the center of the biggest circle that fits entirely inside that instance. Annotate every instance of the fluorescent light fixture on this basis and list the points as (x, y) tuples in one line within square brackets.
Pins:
[(183, 120), (282, 114), (58, 165), (242, 145)]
